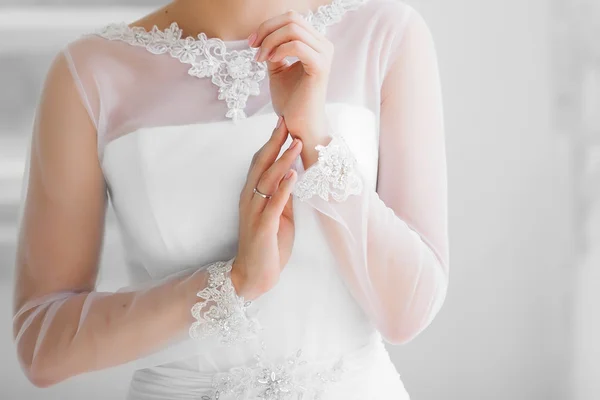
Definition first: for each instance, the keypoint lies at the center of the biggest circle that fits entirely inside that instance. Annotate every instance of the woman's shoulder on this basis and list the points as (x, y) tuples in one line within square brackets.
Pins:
[(96, 67), (90, 48), (387, 10), (101, 64), (383, 19), (108, 42)]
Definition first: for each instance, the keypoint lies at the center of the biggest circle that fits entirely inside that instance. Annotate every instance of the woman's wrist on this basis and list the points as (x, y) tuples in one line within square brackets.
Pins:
[(318, 133), (240, 282), (249, 287)]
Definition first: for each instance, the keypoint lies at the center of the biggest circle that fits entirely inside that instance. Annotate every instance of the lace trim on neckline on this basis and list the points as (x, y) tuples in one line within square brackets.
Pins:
[(235, 72)]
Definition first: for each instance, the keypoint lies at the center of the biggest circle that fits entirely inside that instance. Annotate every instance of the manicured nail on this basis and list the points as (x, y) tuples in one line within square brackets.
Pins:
[(288, 175), (252, 38), (279, 122), (295, 143), (257, 56)]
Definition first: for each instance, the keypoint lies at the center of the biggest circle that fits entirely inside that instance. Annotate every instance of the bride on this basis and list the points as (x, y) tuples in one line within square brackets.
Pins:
[(282, 201)]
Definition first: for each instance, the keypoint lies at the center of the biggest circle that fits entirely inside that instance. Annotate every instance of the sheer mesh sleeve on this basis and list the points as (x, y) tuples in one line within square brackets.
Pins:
[(391, 243), (62, 325)]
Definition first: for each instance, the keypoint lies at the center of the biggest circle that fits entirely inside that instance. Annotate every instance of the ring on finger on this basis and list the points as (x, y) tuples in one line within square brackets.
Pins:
[(258, 192)]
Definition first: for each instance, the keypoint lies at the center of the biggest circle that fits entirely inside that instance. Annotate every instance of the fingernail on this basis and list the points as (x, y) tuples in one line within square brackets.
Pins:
[(279, 122), (295, 143), (258, 54), (252, 38), (288, 175)]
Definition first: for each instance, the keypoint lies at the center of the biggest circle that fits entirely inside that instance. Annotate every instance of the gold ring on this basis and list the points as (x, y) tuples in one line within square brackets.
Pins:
[(258, 192)]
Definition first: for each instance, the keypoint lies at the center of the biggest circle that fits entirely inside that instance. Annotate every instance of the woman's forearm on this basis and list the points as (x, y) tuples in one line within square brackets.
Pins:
[(81, 332)]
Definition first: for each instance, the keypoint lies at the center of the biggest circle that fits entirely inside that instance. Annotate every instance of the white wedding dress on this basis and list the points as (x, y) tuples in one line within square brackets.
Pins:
[(176, 122)]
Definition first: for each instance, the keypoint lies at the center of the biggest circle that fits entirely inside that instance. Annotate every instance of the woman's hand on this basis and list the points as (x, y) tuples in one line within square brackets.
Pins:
[(298, 90), (266, 232)]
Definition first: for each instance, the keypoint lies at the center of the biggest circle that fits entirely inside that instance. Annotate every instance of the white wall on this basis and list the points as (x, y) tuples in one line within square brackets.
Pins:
[(503, 332)]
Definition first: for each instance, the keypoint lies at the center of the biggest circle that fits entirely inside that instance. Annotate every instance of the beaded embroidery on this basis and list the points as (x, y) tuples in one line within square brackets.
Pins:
[(293, 378)]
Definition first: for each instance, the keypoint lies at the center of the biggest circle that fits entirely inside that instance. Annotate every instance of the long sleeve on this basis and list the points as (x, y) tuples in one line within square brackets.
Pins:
[(391, 242), (62, 325)]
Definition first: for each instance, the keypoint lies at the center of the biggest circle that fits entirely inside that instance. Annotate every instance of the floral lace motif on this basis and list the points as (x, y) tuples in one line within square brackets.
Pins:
[(236, 73), (292, 378), (222, 312), (334, 173)]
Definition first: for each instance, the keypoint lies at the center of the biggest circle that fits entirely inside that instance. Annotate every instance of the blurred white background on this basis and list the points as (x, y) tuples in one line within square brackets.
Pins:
[(521, 83)]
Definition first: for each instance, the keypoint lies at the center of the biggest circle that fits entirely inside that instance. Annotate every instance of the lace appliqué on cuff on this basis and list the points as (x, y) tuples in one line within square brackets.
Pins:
[(335, 173), (222, 312)]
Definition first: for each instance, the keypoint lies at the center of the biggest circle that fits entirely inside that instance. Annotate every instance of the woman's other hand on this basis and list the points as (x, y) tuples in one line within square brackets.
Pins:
[(298, 91)]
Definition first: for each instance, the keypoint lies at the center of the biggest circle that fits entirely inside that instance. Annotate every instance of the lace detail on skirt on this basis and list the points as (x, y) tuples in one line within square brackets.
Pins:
[(293, 378), (334, 173), (222, 312)]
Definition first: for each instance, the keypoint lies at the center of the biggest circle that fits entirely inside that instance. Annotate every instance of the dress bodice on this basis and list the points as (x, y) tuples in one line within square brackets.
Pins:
[(175, 191)]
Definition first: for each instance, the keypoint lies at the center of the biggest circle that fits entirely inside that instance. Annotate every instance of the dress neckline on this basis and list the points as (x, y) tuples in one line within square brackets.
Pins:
[(229, 63), (323, 16)]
